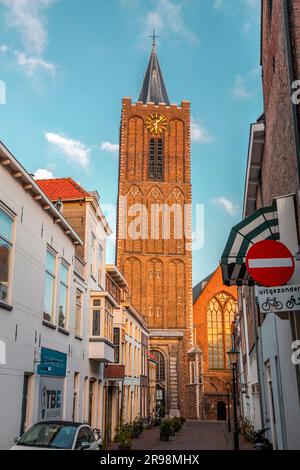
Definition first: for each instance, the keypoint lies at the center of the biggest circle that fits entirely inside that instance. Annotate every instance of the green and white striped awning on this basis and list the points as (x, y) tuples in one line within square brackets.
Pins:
[(261, 225)]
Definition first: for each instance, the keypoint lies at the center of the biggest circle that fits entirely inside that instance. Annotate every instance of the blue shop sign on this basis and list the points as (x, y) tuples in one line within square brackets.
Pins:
[(53, 363)]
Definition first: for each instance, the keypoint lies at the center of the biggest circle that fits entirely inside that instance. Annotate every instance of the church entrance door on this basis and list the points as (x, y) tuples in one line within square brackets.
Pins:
[(221, 411)]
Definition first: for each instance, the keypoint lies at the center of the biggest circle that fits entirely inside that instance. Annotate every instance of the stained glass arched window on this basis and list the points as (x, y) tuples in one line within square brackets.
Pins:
[(215, 335), (220, 315)]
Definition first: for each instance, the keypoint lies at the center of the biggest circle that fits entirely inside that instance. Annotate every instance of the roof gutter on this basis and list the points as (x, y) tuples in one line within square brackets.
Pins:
[(37, 192), (256, 138)]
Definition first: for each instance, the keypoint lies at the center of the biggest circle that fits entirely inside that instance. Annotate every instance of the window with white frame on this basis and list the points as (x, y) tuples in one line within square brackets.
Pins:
[(96, 318), (100, 264), (6, 228), (78, 317), (108, 321), (117, 338), (49, 286), (63, 296), (92, 255)]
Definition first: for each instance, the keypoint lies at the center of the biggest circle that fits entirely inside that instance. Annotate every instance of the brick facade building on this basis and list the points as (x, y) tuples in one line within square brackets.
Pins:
[(214, 312), (268, 376), (281, 66), (153, 233)]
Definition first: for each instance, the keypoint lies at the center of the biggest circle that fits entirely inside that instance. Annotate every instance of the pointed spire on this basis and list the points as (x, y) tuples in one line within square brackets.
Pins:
[(153, 89)]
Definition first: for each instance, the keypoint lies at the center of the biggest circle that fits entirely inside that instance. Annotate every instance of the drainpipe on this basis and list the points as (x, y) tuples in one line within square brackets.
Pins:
[(280, 392), (260, 364), (290, 64)]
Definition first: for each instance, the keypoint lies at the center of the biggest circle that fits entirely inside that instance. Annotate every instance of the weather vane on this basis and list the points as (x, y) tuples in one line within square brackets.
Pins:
[(154, 37)]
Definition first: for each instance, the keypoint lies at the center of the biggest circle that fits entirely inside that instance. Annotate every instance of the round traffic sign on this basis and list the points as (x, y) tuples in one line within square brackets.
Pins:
[(270, 263)]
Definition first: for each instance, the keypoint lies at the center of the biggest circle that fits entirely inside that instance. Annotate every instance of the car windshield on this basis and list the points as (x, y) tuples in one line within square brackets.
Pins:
[(56, 436)]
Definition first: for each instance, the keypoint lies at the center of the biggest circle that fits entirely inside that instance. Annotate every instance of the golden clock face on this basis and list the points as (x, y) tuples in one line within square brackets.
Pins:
[(156, 123)]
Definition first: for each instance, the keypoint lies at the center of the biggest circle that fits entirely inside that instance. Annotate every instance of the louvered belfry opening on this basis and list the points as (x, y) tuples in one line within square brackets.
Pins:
[(156, 150)]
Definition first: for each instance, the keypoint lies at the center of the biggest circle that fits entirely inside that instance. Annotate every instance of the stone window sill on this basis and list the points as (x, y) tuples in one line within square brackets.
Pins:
[(63, 331), (6, 306), (49, 324)]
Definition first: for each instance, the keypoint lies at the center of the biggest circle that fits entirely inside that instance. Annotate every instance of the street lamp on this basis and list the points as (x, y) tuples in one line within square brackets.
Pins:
[(228, 389), (233, 355)]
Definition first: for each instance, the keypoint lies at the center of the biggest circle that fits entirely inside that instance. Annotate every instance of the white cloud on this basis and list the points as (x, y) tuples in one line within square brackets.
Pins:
[(74, 150), (245, 85), (109, 147), (227, 205), (200, 134), (28, 18), (168, 16), (32, 64), (252, 4), (252, 11), (247, 26), (165, 16), (217, 3), (43, 174), (3, 48), (240, 90), (248, 11)]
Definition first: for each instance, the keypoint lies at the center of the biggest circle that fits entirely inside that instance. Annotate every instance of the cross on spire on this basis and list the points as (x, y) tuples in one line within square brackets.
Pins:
[(154, 37), (153, 88)]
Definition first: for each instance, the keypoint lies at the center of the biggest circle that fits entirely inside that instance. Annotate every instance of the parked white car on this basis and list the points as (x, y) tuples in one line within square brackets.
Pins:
[(59, 435)]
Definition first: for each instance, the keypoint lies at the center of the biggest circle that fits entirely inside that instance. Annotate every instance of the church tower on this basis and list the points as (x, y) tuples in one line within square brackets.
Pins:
[(154, 234)]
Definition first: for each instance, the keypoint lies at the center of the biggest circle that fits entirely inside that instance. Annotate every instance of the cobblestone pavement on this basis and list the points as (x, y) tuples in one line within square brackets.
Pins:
[(195, 435)]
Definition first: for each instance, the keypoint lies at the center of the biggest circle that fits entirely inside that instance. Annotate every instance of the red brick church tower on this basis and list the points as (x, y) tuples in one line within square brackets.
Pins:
[(154, 234)]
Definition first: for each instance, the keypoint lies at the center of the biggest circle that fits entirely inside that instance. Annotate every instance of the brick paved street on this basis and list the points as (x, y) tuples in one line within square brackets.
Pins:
[(195, 435)]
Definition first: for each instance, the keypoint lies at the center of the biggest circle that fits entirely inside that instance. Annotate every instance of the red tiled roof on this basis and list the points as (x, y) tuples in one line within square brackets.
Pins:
[(65, 189)]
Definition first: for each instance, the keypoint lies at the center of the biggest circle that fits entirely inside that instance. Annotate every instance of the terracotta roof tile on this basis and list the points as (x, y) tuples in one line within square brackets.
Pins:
[(65, 189)]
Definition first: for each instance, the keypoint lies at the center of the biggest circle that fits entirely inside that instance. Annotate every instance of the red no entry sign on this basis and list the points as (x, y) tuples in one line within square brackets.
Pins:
[(270, 263)]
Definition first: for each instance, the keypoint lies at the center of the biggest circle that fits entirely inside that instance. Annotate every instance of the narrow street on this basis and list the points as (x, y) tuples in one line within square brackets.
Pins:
[(195, 435)]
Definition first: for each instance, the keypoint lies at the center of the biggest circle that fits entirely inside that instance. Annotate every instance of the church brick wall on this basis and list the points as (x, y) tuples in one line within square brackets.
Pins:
[(159, 272), (214, 380)]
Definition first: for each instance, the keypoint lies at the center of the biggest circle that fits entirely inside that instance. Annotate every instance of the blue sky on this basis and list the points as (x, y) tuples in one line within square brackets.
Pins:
[(67, 64)]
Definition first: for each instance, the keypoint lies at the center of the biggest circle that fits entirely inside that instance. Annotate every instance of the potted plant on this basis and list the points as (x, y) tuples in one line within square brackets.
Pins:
[(141, 424), (247, 430), (166, 430), (176, 424), (136, 428), (123, 437)]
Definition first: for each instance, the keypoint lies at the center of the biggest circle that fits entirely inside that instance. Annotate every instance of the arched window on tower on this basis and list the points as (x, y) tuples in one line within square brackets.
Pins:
[(160, 369), (155, 171), (220, 316)]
